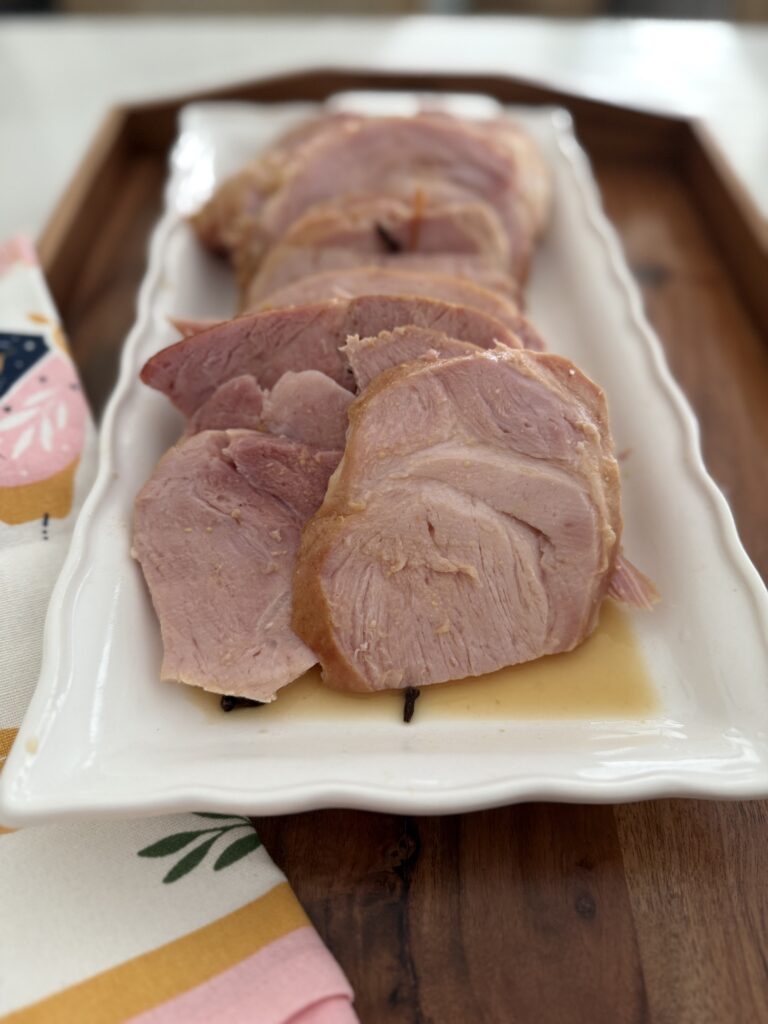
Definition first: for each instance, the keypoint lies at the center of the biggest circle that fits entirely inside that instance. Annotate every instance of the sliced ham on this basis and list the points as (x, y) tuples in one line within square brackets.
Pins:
[(266, 345), (473, 523), (239, 403), (216, 530), (305, 406), (396, 154), (393, 281), (231, 217), (420, 222), (349, 155), (375, 280), (384, 226), (289, 264), (308, 407), (368, 357), (474, 519)]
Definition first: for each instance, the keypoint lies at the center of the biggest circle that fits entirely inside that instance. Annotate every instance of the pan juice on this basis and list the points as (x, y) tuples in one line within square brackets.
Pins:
[(605, 677)]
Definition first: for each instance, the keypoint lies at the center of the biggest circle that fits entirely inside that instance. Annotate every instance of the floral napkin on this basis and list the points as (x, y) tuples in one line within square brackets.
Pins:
[(176, 919)]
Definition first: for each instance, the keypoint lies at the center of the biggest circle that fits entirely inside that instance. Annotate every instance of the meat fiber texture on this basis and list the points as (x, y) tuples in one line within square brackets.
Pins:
[(368, 357), (416, 230), (309, 407), (473, 523), (424, 221), (374, 280), (492, 162), (287, 264), (305, 406), (239, 403), (216, 530), (266, 345)]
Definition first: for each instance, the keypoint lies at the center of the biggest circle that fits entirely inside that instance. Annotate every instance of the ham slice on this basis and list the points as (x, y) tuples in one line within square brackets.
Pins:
[(290, 264), (368, 357), (383, 227), (474, 522), (348, 155), (306, 406), (395, 282), (230, 218), (462, 513), (266, 345), (216, 530), (422, 221), (375, 280), (239, 403), (397, 154)]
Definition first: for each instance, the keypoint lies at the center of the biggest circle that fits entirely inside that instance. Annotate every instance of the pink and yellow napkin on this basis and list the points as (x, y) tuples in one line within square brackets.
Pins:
[(159, 921)]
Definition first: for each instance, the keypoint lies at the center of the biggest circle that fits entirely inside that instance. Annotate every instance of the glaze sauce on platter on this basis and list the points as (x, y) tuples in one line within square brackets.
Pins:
[(605, 677)]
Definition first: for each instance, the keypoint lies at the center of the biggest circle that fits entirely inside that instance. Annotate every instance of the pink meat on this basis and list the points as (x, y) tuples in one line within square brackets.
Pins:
[(239, 403), (383, 226), (632, 587), (347, 156), (309, 407), (474, 522), (306, 406), (376, 280), (421, 222), (368, 357), (231, 217), (266, 345), (216, 530), (396, 154), (290, 264)]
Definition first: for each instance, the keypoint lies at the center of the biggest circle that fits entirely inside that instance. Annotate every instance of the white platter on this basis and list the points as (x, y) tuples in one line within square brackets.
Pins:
[(103, 737)]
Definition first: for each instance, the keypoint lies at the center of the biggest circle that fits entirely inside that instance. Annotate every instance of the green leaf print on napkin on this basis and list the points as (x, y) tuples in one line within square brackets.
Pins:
[(235, 851), (240, 848)]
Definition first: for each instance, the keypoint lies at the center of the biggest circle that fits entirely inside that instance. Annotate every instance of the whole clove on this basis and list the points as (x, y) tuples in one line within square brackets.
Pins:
[(411, 695), (229, 703), (388, 240)]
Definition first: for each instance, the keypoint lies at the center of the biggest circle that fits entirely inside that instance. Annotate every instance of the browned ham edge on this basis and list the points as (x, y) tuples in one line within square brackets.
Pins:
[(473, 523)]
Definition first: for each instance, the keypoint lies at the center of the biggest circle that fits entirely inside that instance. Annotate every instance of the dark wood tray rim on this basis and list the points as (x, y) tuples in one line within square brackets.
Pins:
[(608, 131)]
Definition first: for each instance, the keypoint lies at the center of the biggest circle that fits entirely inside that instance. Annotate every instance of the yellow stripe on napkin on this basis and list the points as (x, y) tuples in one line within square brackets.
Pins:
[(148, 980), (7, 736)]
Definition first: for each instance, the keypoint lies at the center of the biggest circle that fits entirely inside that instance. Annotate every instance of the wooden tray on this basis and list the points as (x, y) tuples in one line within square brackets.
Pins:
[(654, 912)]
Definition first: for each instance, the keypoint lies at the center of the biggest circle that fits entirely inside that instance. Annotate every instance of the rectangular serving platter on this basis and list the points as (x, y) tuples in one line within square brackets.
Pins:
[(104, 737)]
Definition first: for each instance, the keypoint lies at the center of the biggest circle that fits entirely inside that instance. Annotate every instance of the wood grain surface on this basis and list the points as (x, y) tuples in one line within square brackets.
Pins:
[(654, 912), (651, 912)]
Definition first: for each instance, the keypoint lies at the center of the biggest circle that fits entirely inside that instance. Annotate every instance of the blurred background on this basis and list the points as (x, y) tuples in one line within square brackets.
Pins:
[(728, 10)]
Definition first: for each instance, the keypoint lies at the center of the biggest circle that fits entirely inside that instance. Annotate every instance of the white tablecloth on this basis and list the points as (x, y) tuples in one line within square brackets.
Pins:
[(58, 76)]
